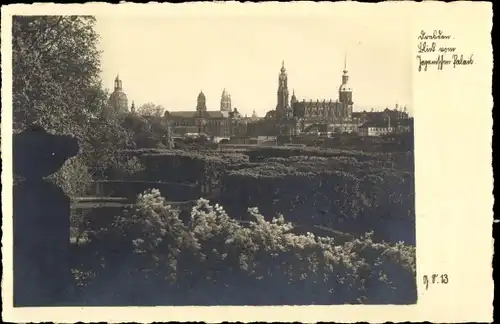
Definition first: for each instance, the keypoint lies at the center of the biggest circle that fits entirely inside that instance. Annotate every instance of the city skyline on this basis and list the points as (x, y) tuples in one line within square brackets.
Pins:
[(170, 68)]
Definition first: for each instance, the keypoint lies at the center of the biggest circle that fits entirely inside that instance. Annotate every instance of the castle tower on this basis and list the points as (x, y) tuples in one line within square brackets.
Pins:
[(282, 106), (225, 101), (118, 99), (345, 92)]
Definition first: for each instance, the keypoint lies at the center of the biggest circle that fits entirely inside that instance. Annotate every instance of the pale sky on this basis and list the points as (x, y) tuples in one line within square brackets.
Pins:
[(167, 60)]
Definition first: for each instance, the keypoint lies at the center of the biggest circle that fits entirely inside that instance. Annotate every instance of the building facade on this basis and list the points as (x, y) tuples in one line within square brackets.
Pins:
[(298, 116), (389, 122), (398, 113), (224, 122)]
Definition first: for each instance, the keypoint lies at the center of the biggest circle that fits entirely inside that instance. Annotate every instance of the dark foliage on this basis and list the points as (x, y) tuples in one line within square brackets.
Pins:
[(212, 259)]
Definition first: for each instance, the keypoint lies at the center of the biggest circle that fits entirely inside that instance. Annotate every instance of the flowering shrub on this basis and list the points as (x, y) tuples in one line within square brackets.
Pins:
[(73, 177), (211, 258)]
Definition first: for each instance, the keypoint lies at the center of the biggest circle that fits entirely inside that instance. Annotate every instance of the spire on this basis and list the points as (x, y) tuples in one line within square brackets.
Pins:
[(345, 63), (132, 108), (345, 77), (283, 70)]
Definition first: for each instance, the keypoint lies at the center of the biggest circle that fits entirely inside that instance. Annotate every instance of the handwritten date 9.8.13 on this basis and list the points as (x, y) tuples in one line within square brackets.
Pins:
[(435, 279)]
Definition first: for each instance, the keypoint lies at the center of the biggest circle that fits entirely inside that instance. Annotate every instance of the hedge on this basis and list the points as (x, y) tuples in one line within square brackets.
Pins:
[(342, 193), (185, 166), (354, 191), (284, 152), (130, 189)]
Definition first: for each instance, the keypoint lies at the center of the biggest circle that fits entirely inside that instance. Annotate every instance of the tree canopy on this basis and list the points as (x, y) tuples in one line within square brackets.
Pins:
[(56, 65), (151, 109), (57, 85)]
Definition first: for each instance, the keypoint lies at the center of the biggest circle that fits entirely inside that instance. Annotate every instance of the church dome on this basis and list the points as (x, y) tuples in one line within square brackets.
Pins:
[(201, 96), (118, 99), (118, 96)]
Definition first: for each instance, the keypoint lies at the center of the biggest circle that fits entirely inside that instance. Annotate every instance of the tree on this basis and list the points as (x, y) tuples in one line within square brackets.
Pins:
[(56, 84), (56, 67), (151, 109), (149, 131)]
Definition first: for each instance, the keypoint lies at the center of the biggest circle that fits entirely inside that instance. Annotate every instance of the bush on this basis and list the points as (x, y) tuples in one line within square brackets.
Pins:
[(213, 259), (73, 177)]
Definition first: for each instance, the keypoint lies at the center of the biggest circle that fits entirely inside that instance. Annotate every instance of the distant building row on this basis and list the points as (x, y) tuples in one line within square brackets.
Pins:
[(224, 122), (328, 115), (291, 116)]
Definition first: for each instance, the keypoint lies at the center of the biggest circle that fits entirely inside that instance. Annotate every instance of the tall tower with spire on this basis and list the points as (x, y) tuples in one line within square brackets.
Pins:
[(345, 92), (294, 99), (201, 103), (225, 102), (283, 104)]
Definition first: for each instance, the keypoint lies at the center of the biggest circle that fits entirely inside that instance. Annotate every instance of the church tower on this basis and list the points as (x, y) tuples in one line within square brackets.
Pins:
[(283, 104), (294, 99), (201, 105), (225, 101), (345, 92)]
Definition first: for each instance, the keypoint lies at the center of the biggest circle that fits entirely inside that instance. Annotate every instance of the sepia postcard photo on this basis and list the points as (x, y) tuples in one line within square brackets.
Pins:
[(281, 161)]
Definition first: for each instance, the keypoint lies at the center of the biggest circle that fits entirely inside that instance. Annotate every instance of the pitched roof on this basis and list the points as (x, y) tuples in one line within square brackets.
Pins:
[(217, 114), (193, 114), (183, 114)]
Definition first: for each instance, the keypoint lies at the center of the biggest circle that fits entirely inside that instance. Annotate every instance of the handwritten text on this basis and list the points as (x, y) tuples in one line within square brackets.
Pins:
[(435, 49)]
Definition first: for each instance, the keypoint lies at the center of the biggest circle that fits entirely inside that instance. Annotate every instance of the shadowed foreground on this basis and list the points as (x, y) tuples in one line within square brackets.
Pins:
[(153, 255), (41, 219)]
